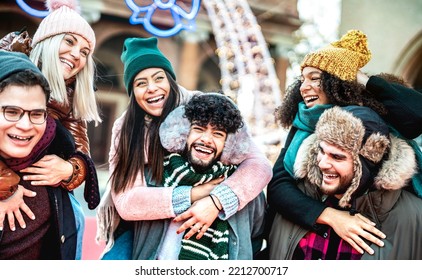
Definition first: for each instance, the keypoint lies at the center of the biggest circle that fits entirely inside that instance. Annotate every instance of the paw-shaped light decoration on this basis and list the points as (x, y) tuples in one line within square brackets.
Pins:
[(33, 12), (182, 19)]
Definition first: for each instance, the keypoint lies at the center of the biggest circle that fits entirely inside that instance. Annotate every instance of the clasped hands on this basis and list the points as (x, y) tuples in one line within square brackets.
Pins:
[(202, 213)]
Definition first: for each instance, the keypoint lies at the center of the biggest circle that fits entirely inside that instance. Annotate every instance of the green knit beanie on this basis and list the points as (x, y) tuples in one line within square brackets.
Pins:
[(139, 54), (13, 62)]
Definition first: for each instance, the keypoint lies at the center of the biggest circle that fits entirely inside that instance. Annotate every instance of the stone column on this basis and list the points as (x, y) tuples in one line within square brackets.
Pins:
[(190, 62), (281, 64)]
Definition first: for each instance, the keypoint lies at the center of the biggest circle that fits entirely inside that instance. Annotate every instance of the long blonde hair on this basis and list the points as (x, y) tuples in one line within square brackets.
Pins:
[(45, 56)]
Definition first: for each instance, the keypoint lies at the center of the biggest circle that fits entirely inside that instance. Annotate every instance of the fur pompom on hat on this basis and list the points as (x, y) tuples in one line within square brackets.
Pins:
[(139, 54), (64, 17), (175, 129), (342, 58), (361, 132)]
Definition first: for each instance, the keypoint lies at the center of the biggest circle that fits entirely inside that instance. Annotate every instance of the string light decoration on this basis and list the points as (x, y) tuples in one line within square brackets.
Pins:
[(247, 69)]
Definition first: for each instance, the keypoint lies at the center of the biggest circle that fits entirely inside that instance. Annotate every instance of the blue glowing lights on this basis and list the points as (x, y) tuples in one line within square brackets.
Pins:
[(181, 18)]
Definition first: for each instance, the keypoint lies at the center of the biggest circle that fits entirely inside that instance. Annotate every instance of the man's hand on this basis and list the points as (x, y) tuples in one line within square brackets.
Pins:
[(13, 206), (48, 171), (353, 229), (199, 217)]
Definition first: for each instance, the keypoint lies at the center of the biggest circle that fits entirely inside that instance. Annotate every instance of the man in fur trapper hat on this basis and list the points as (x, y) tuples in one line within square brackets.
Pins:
[(206, 140), (353, 163)]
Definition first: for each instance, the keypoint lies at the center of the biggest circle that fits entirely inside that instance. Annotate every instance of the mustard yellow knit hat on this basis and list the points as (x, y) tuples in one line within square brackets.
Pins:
[(342, 58)]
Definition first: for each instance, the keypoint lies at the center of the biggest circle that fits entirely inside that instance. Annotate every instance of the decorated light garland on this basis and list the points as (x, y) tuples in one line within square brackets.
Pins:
[(247, 69)]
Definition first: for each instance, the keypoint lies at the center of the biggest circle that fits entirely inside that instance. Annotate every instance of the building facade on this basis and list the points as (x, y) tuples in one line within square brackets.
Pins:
[(394, 30), (194, 54)]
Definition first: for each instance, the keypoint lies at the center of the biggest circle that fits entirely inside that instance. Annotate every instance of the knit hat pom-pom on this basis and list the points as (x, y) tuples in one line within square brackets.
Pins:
[(53, 5), (353, 40), (342, 58)]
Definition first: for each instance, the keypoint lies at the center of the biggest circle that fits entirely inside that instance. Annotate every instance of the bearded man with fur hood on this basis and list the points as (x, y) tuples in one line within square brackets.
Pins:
[(220, 142), (372, 186)]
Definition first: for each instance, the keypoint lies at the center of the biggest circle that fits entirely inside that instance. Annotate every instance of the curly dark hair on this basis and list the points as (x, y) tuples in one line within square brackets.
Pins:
[(339, 92), (391, 78), (215, 109)]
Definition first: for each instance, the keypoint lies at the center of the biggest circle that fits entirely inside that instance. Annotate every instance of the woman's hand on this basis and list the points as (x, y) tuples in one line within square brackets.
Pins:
[(201, 191), (353, 229), (362, 78), (199, 217), (13, 206), (48, 171)]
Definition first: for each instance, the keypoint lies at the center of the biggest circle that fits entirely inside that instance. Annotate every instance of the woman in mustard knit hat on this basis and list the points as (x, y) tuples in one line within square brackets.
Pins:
[(62, 47), (329, 78), (150, 82)]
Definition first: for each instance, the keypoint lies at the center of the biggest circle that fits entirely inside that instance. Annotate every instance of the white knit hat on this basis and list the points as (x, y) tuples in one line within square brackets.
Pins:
[(64, 17)]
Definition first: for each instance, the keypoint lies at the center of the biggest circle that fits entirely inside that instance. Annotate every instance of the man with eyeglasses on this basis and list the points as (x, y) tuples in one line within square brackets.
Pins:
[(46, 224)]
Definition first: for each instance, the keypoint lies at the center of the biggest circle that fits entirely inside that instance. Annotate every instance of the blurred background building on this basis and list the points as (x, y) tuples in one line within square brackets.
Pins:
[(394, 32), (193, 54)]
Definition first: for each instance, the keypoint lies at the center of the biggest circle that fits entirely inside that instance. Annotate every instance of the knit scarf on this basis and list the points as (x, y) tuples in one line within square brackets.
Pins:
[(214, 244), (305, 122)]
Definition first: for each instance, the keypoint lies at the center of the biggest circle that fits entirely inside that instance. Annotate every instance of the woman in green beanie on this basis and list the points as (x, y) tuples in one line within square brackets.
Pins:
[(150, 82)]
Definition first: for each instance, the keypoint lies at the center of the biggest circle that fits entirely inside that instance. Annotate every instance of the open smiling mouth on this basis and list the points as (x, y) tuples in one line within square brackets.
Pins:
[(200, 148), (68, 63), (329, 176), (155, 99), (311, 99), (16, 137)]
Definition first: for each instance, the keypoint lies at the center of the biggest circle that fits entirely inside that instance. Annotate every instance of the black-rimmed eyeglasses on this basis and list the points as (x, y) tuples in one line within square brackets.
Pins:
[(15, 113)]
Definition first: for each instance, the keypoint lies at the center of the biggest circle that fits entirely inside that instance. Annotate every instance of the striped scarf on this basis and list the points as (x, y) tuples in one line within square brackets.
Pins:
[(214, 244)]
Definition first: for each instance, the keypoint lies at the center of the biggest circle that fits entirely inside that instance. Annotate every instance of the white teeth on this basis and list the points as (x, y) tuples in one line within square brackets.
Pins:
[(311, 98), (20, 138), (155, 99), (71, 65), (329, 176), (204, 150)]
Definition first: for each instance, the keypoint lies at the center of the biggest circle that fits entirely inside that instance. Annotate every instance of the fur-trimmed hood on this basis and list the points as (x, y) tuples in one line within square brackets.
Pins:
[(361, 132), (175, 129)]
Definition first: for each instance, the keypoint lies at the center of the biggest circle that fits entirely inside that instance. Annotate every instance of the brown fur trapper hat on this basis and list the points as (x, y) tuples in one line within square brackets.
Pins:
[(360, 131), (175, 130)]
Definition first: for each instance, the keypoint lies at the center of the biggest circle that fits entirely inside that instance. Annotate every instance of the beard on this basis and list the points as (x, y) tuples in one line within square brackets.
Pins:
[(340, 188), (200, 165)]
